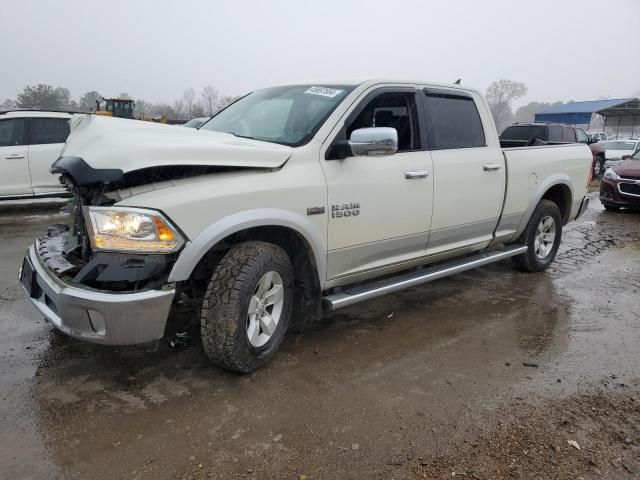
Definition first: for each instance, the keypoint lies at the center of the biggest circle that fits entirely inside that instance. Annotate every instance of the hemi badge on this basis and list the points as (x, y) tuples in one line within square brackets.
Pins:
[(315, 210)]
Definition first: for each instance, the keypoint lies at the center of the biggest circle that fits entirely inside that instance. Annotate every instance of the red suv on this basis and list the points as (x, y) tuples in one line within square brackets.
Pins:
[(620, 185)]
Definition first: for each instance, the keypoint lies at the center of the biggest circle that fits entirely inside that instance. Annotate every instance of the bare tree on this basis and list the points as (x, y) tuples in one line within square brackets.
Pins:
[(189, 97), (210, 99), (179, 109), (500, 95), (226, 101), (8, 104), (88, 101)]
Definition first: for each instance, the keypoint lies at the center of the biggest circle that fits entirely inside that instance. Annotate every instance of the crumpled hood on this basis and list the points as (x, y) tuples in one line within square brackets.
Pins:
[(128, 145)]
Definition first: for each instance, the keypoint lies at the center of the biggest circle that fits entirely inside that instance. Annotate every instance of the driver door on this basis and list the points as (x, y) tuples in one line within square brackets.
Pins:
[(379, 206)]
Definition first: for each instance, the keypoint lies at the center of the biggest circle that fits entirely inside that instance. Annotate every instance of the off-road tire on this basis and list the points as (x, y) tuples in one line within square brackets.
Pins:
[(529, 261), (226, 303)]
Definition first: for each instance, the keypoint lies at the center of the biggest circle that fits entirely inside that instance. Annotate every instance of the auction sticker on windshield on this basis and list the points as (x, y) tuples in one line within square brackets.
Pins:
[(324, 91)]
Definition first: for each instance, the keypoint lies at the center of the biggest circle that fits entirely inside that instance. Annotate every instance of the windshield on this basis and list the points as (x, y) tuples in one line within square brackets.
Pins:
[(288, 115), (523, 132), (620, 146)]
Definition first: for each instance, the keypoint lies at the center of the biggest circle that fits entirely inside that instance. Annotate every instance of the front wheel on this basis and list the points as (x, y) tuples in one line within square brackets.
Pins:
[(597, 168), (542, 236), (247, 306)]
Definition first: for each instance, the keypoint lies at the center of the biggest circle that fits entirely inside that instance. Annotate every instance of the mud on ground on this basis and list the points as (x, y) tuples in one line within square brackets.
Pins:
[(487, 374)]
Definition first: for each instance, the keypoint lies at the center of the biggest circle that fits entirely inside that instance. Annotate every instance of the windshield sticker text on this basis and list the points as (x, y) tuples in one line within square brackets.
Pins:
[(324, 91)]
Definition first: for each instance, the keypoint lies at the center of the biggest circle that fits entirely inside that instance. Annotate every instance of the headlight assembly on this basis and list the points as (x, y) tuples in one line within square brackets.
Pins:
[(609, 174), (131, 230)]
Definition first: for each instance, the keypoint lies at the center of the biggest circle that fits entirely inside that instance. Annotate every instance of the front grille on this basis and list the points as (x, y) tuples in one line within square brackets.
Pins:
[(629, 177), (630, 188)]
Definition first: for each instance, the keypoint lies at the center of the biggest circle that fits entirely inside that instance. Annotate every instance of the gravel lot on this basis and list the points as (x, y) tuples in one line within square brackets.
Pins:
[(487, 375)]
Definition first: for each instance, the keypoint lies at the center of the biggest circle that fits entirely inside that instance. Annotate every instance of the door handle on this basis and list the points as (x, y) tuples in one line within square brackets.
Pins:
[(491, 167), (411, 174), (14, 157)]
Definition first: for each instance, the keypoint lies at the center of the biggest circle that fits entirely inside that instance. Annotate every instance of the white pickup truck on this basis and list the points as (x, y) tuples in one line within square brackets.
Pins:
[(292, 200)]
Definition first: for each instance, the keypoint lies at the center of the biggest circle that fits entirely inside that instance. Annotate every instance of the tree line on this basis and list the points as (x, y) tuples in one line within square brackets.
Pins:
[(190, 105), (500, 96)]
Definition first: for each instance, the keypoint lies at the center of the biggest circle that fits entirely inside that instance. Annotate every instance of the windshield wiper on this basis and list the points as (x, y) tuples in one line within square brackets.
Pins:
[(243, 136)]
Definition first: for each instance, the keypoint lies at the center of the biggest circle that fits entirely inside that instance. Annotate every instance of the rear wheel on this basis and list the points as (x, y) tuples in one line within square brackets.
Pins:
[(247, 306), (542, 236)]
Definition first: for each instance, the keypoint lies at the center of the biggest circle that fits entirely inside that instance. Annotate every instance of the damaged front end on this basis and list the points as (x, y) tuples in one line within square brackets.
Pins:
[(70, 250), (103, 277)]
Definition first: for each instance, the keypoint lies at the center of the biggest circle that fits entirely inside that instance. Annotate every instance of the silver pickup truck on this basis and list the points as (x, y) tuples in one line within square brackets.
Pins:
[(292, 200)]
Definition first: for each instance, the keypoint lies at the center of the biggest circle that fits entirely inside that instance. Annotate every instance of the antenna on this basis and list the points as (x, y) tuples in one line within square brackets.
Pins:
[(458, 81)]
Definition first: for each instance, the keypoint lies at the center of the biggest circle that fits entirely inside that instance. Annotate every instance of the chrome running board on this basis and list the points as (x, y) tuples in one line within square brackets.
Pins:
[(351, 295)]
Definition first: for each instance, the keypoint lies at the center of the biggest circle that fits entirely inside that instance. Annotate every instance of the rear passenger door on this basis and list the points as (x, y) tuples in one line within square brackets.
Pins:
[(14, 158), (468, 169), (46, 139)]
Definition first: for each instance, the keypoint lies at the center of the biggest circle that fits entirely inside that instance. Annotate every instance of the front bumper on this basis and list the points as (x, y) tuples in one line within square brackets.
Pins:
[(611, 194), (95, 316)]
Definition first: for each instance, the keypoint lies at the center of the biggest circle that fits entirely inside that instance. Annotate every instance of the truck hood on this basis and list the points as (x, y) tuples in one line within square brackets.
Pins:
[(123, 145)]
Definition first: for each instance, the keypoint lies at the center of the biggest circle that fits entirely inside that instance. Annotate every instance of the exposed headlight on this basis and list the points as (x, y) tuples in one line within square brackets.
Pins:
[(609, 174), (131, 230)]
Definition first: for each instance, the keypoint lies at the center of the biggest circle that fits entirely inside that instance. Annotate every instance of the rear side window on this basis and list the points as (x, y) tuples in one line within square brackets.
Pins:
[(48, 130), (555, 133), (569, 135), (11, 132), (454, 121)]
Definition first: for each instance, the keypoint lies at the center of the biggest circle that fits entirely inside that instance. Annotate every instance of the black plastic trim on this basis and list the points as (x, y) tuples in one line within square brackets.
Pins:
[(83, 174)]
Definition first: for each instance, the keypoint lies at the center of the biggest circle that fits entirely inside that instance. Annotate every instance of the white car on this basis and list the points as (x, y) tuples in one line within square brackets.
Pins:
[(598, 136), (616, 151), (292, 199), (30, 141)]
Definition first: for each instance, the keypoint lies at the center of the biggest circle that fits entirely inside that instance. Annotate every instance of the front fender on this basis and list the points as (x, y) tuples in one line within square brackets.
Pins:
[(264, 217)]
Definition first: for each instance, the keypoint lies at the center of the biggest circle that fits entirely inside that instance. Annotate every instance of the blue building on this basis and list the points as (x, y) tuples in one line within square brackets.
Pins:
[(618, 117)]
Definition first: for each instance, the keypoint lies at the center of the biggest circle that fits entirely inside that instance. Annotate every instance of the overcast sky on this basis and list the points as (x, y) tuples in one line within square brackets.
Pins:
[(154, 49)]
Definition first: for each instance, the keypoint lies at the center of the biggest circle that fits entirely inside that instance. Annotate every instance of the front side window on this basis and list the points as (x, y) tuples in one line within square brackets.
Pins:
[(555, 134), (11, 132), (394, 110), (44, 131), (288, 115), (454, 121)]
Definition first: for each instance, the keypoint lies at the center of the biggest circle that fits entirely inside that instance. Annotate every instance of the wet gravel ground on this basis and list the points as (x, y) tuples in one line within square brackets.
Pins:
[(488, 374)]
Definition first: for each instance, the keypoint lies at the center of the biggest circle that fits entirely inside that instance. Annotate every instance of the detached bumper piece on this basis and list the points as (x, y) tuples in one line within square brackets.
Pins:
[(583, 207), (94, 316)]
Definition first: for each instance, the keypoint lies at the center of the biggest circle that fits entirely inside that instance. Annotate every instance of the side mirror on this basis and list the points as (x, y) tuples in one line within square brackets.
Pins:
[(374, 141), (592, 140)]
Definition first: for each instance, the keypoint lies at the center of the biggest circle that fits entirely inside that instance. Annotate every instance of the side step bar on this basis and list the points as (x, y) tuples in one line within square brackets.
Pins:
[(360, 293)]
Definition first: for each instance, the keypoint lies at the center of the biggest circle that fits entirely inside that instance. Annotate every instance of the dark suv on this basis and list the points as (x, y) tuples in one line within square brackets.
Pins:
[(532, 134)]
